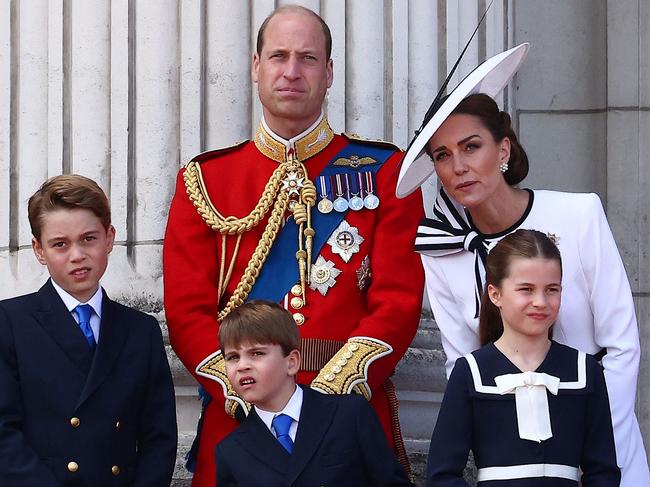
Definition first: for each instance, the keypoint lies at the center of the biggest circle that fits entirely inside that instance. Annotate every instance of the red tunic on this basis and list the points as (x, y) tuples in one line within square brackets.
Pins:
[(387, 310)]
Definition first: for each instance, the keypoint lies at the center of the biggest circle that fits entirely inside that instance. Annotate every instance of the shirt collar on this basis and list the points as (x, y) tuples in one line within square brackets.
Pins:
[(71, 302), (292, 409)]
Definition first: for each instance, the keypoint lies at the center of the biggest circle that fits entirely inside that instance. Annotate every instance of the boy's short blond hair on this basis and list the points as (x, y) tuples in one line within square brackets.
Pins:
[(260, 322), (68, 191)]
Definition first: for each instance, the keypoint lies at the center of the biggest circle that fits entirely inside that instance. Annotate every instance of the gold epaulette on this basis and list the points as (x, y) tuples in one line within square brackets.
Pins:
[(214, 367), (347, 370), (210, 154), (379, 143)]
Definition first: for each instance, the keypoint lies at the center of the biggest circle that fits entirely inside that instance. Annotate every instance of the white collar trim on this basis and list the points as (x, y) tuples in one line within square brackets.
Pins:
[(573, 385)]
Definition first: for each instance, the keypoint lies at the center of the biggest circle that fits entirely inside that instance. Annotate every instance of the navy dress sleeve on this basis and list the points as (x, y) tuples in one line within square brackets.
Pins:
[(452, 436), (598, 462)]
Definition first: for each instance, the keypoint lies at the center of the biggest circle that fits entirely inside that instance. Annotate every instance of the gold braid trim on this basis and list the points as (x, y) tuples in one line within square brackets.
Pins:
[(289, 178), (214, 367), (347, 371), (262, 250), (198, 194)]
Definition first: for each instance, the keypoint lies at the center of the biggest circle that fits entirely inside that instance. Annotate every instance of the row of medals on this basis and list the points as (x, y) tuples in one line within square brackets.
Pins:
[(348, 196)]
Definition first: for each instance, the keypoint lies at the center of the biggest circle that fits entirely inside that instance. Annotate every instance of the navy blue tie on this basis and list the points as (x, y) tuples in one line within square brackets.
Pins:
[(281, 424), (84, 312)]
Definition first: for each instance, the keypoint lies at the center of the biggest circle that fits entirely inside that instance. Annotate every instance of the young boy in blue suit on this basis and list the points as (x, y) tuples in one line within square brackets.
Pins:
[(293, 436), (86, 394)]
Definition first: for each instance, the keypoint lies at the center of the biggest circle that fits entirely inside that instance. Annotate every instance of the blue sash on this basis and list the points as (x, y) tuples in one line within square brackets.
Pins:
[(280, 270)]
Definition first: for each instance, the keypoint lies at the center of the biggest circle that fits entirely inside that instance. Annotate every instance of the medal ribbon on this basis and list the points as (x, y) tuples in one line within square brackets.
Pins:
[(276, 277), (324, 192)]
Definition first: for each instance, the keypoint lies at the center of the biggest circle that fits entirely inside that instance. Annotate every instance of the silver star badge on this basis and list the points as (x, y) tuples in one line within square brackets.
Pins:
[(323, 275), (292, 183), (345, 241)]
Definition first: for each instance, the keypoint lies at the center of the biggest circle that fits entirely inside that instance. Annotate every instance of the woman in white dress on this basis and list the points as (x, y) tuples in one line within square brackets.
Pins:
[(479, 163)]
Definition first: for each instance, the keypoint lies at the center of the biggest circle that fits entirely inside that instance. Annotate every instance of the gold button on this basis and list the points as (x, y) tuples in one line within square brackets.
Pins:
[(297, 303), (74, 422), (118, 426), (115, 470), (296, 290), (299, 317), (73, 467)]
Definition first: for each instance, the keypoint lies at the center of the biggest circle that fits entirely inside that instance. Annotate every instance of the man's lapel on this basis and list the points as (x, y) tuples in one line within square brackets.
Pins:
[(114, 330), (58, 323), (315, 420), (256, 439)]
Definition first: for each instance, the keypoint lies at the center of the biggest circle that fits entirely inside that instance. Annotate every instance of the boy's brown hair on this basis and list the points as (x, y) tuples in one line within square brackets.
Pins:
[(67, 191), (260, 322)]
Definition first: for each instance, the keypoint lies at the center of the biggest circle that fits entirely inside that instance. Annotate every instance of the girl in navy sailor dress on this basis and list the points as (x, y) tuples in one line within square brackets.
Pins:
[(535, 413)]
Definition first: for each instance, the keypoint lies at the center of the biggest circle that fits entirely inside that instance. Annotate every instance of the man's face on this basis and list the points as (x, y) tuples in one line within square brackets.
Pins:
[(292, 72)]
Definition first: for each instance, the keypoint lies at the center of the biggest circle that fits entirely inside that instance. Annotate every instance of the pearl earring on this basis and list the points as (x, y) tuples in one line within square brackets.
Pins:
[(503, 167)]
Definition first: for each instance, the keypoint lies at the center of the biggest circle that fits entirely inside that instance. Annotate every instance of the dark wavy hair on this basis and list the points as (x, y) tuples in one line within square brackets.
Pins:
[(527, 244)]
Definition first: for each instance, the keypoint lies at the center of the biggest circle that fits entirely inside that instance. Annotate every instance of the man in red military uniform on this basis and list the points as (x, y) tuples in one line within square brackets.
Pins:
[(302, 217)]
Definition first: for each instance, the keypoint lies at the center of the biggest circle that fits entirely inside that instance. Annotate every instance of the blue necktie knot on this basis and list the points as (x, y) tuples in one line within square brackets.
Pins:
[(281, 424), (84, 312)]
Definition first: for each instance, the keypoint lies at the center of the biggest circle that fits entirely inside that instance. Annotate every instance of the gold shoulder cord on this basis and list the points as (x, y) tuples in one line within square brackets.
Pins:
[(288, 187)]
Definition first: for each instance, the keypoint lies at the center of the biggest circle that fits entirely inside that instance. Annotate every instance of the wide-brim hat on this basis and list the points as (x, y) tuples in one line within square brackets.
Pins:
[(488, 78)]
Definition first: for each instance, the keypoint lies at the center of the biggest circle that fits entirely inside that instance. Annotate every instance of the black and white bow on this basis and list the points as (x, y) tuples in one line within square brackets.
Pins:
[(450, 232)]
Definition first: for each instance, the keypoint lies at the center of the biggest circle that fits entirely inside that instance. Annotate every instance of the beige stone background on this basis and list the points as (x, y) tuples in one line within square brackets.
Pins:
[(125, 91)]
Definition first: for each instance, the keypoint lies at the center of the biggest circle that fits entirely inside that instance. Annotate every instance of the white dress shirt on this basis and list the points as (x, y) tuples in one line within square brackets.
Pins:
[(292, 409)]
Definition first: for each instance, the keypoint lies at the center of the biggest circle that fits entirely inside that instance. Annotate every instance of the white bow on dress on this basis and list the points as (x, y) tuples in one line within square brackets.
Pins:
[(531, 399)]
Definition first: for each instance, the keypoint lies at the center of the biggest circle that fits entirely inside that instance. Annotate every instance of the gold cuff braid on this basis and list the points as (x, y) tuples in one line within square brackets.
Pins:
[(347, 371), (214, 367)]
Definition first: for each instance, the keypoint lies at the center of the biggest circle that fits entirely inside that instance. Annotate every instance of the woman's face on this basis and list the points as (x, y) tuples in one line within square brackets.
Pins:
[(467, 158)]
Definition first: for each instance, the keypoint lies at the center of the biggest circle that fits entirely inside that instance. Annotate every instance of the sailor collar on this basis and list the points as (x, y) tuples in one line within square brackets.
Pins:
[(481, 387), (304, 145)]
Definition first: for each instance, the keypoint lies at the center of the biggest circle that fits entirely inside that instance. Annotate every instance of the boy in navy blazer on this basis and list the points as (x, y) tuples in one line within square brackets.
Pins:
[(86, 395), (293, 436)]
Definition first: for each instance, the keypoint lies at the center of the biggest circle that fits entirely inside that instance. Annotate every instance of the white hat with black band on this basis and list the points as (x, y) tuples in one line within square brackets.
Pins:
[(488, 78)]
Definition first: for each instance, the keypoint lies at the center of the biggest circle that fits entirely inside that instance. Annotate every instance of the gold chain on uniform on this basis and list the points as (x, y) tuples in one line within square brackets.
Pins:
[(277, 194)]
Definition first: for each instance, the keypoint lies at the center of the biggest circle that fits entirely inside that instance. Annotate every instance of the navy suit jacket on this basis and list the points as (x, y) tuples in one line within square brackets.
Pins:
[(110, 414), (339, 442)]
